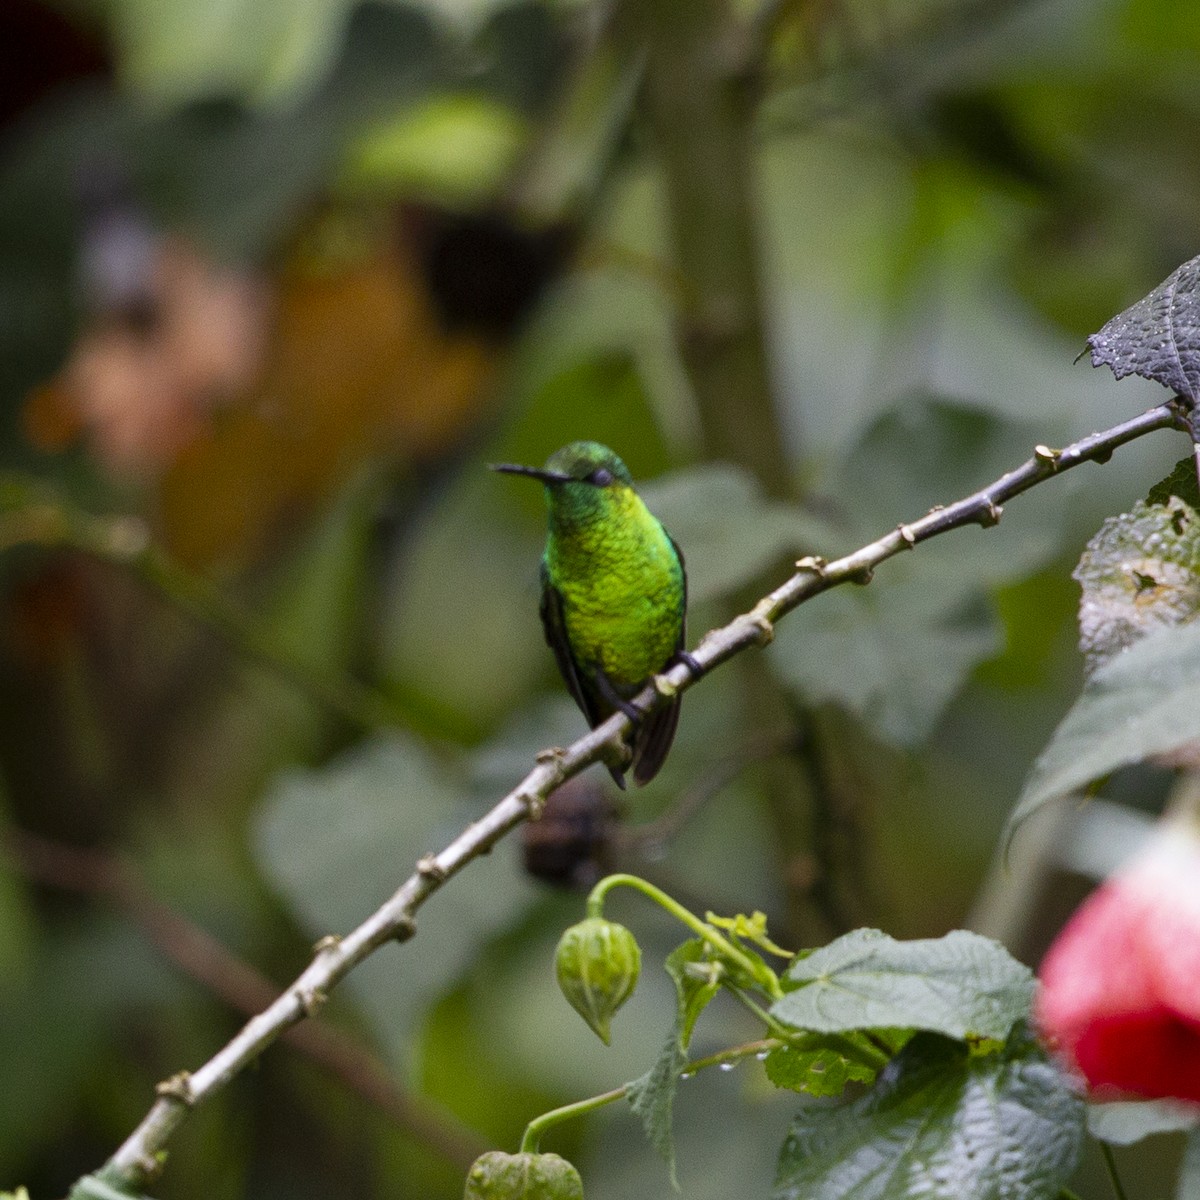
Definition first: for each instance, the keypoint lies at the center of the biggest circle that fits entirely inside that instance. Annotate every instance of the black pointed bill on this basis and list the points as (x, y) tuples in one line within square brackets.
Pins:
[(532, 472)]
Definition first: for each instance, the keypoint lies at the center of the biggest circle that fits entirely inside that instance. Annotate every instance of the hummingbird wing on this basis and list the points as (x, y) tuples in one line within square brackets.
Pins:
[(653, 737), (555, 629)]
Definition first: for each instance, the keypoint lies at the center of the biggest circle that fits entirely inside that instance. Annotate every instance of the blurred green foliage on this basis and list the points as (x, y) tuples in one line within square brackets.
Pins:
[(950, 195)]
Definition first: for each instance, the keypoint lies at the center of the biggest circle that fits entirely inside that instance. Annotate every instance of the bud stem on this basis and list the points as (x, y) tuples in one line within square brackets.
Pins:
[(534, 1130), (753, 966)]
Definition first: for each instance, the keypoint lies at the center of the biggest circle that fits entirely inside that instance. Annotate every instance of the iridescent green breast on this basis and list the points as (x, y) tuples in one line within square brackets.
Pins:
[(622, 588)]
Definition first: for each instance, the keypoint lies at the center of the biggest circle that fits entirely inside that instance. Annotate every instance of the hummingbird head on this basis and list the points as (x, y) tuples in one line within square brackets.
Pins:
[(580, 463)]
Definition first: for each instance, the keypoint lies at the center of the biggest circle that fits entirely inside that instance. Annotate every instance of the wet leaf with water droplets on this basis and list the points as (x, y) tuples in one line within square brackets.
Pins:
[(1139, 573), (1159, 336), (944, 1124)]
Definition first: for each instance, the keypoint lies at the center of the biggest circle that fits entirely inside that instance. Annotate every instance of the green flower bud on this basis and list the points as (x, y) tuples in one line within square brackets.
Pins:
[(598, 963), (500, 1176)]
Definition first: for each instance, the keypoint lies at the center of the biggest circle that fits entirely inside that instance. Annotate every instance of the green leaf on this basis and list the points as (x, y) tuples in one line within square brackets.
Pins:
[(1142, 704), (339, 840), (929, 450), (1123, 1122), (1159, 336), (652, 1096), (1181, 483), (728, 530), (817, 1070), (695, 985), (961, 985), (1139, 573), (941, 1123)]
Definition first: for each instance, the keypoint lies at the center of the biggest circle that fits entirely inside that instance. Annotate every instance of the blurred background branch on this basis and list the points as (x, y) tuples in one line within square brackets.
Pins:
[(202, 958)]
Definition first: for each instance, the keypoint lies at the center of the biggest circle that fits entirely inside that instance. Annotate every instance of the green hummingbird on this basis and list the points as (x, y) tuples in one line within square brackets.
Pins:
[(614, 595)]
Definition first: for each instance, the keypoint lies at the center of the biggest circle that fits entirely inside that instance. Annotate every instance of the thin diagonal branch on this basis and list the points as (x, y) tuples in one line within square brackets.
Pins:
[(138, 1158)]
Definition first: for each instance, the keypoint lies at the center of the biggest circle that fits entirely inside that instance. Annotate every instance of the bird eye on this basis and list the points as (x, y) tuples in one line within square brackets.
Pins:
[(601, 477)]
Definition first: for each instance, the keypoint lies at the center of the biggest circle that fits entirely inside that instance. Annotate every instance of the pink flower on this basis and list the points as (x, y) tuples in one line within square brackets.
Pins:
[(1120, 994)]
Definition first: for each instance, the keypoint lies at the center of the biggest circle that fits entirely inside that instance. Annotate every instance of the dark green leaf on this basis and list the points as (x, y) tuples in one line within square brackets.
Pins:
[(1159, 336), (961, 985), (1144, 703), (1123, 1122), (1140, 572), (1189, 1169), (817, 1070), (520, 51), (940, 1123), (1181, 482)]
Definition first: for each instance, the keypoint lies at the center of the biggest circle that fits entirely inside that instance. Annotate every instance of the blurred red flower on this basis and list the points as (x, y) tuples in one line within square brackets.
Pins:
[(1120, 994)]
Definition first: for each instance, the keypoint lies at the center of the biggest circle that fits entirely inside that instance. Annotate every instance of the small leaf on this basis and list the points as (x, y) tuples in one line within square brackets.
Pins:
[(1159, 336), (751, 929), (943, 1124), (652, 1097), (1145, 702), (817, 1070), (694, 985), (1140, 572), (961, 985), (1123, 1122)]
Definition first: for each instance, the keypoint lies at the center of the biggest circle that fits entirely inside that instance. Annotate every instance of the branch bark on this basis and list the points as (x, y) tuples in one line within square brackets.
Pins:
[(138, 1158)]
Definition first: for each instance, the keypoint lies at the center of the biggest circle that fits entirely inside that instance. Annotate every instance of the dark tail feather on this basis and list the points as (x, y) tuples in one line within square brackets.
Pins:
[(652, 741)]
